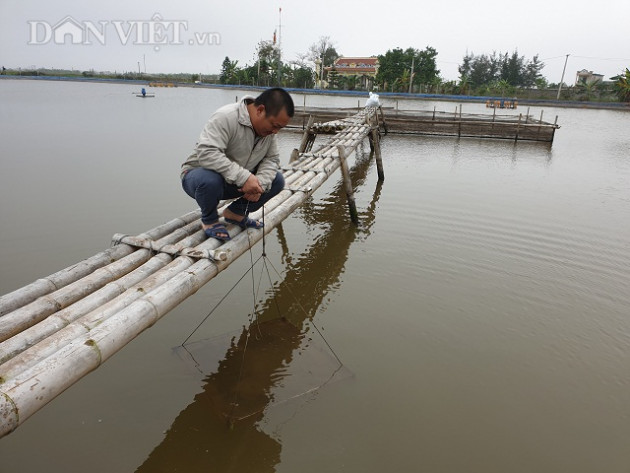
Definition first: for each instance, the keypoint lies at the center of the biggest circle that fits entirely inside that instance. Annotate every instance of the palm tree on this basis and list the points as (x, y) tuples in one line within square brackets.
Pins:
[(623, 86), (589, 88), (502, 86), (464, 86)]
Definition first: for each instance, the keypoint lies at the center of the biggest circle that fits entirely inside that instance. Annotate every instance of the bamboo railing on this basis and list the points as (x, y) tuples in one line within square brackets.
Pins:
[(60, 328)]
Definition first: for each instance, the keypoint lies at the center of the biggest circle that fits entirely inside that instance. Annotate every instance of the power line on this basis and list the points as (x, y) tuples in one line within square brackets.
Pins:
[(555, 57), (589, 57), (605, 58)]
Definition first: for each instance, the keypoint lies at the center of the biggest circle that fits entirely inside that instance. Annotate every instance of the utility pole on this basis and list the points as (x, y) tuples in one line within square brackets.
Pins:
[(562, 79), (413, 59), (279, 46)]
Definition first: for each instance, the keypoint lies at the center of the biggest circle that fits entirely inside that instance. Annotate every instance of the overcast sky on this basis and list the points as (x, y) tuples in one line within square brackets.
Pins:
[(195, 36)]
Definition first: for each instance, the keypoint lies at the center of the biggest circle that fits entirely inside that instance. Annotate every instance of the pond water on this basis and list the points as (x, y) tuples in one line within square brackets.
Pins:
[(477, 320)]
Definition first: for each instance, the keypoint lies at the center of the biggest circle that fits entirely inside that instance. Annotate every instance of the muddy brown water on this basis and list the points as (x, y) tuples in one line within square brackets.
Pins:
[(478, 319)]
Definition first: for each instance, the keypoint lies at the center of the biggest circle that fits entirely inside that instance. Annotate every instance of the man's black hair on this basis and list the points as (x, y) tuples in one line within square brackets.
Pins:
[(275, 100)]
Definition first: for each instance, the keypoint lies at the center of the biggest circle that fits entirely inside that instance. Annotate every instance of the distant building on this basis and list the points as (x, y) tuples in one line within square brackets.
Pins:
[(363, 68), (587, 77)]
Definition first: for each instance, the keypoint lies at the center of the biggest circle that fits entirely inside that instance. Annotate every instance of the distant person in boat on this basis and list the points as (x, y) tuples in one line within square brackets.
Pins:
[(237, 157), (144, 92)]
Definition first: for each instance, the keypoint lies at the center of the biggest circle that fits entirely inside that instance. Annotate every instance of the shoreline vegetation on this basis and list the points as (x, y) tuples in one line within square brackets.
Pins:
[(530, 97)]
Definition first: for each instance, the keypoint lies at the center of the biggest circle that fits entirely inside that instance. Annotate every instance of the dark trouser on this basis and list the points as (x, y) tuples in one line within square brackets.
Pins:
[(208, 188)]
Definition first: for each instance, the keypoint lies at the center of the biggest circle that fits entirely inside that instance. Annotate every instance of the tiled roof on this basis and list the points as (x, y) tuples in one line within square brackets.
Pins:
[(358, 61)]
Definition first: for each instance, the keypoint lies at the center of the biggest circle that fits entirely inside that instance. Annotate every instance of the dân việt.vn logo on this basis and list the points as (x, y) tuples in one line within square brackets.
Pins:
[(154, 32)]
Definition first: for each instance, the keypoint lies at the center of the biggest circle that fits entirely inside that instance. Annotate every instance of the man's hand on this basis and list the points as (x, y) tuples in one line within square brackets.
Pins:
[(252, 189)]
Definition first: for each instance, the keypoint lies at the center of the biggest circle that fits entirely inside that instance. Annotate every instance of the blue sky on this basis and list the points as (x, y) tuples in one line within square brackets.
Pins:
[(196, 36)]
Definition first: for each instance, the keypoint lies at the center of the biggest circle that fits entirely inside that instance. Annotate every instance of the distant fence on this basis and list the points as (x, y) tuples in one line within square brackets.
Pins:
[(350, 93)]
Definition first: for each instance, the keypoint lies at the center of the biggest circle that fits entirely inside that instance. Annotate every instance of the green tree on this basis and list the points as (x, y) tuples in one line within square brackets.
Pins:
[(228, 71), (391, 66), (300, 73), (532, 75), (394, 70), (483, 70), (323, 50), (267, 57), (334, 80), (588, 90), (425, 69), (303, 77), (622, 86), (463, 88)]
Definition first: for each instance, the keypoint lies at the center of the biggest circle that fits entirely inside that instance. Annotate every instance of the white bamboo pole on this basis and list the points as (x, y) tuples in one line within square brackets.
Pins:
[(27, 294), (58, 320), (30, 314)]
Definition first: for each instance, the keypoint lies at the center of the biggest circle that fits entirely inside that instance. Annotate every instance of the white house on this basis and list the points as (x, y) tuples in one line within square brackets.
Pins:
[(587, 77)]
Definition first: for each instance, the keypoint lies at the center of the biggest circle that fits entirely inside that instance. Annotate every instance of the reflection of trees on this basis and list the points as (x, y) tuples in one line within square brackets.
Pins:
[(199, 438)]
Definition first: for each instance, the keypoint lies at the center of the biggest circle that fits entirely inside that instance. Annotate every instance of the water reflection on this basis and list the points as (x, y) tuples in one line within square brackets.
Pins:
[(201, 437)]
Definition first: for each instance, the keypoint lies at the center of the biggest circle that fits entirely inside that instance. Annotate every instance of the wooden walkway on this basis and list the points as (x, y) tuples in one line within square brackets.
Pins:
[(60, 328)]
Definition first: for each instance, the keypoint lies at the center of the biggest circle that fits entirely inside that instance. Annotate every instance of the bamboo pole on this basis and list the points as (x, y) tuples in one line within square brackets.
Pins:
[(55, 323), (29, 293), (306, 134), (30, 314), (347, 184), (377, 155)]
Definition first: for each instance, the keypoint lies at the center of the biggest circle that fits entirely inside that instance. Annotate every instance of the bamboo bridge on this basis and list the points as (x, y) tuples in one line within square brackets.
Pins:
[(59, 328)]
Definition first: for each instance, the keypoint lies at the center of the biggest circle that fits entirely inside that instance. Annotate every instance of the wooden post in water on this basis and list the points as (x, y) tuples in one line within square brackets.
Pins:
[(553, 130), (518, 125), (306, 134), (539, 125), (347, 183), (375, 144), (383, 119)]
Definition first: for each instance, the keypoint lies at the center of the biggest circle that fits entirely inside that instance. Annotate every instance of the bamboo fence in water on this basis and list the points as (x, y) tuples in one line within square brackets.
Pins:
[(517, 127), (59, 328)]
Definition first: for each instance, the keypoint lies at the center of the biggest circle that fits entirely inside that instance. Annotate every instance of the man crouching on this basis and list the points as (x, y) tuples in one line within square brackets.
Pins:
[(237, 157)]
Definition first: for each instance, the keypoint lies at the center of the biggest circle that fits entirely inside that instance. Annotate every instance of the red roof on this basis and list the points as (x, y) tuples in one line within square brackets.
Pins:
[(370, 62)]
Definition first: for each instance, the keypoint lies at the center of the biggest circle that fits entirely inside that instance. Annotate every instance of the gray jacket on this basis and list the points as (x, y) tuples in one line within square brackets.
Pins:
[(226, 145)]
